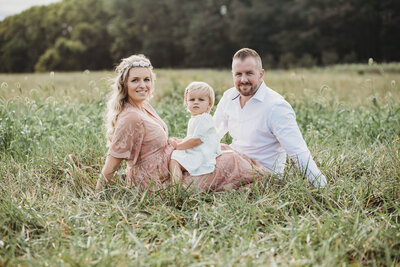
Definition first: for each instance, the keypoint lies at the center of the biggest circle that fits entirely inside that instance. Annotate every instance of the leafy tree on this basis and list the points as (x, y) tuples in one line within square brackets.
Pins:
[(22, 40), (124, 28), (96, 42), (93, 34), (390, 29), (254, 23), (207, 41), (65, 55), (163, 31)]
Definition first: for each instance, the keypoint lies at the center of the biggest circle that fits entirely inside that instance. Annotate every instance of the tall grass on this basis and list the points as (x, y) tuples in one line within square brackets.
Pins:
[(50, 214)]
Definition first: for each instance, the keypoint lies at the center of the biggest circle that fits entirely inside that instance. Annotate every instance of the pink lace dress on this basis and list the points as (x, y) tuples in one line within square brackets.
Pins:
[(141, 138)]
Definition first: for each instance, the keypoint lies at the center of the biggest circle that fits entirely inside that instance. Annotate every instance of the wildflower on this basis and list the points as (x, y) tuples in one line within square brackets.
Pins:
[(33, 92), (223, 10), (92, 84), (4, 85)]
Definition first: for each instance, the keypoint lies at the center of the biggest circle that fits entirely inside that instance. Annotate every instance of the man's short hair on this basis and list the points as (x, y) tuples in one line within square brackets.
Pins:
[(244, 53)]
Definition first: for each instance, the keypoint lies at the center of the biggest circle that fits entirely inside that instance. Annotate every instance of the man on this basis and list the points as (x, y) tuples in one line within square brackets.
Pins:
[(262, 124)]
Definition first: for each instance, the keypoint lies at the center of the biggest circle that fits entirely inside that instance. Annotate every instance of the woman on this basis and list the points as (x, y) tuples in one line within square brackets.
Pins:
[(138, 135)]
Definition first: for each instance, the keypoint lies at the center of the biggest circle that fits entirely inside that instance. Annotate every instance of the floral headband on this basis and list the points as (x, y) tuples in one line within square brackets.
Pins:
[(141, 63)]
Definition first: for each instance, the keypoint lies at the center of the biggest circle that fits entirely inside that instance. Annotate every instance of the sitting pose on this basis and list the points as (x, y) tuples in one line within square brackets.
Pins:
[(139, 136), (197, 152), (261, 122)]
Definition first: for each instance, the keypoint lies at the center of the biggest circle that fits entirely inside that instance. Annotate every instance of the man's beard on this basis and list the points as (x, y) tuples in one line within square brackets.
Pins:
[(252, 91)]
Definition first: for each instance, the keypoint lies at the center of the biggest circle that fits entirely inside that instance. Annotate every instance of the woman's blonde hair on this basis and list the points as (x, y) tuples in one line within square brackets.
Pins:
[(200, 87), (119, 92)]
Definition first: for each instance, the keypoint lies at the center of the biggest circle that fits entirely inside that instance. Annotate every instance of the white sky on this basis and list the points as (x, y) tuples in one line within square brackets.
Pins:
[(12, 7)]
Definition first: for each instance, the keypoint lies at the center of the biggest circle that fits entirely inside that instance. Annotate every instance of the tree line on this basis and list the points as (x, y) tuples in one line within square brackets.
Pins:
[(95, 34)]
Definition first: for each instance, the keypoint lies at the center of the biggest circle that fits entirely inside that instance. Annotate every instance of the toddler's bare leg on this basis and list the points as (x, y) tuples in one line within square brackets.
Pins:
[(176, 171)]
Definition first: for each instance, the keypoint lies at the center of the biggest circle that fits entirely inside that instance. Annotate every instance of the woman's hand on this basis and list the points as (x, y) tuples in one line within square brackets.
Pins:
[(106, 174), (173, 142), (99, 185)]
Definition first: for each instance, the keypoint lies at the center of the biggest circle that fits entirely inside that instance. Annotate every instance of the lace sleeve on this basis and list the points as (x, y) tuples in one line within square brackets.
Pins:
[(128, 137)]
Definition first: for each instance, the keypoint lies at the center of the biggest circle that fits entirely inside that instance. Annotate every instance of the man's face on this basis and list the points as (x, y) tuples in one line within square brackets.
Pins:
[(247, 76)]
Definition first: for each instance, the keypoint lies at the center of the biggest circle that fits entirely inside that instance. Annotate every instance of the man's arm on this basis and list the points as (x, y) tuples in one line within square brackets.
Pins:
[(285, 128), (305, 162), (220, 120)]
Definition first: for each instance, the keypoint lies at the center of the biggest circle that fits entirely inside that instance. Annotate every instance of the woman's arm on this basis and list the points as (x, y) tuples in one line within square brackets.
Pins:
[(109, 168)]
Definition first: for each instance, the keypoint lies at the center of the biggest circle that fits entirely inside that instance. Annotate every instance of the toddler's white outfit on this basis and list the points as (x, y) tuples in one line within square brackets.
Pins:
[(200, 160)]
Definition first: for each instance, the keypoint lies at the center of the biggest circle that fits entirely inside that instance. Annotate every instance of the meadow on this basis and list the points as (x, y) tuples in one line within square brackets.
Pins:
[(50, 214)]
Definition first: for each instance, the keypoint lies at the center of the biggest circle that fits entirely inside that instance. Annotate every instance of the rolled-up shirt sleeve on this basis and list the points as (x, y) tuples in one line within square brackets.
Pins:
[(284, 126), (220, 118)]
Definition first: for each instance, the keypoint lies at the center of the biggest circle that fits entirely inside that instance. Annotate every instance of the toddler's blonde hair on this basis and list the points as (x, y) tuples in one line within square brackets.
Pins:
[(200, 87)]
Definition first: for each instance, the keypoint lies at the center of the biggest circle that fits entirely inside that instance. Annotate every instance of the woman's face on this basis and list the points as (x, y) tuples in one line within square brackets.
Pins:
[(139, 85)]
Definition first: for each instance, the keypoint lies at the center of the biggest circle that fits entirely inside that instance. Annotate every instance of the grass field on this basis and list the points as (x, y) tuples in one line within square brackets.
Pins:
[(50, 214)]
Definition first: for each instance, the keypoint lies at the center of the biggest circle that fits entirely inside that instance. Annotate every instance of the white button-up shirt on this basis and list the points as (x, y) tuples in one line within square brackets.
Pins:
[(266, 130)]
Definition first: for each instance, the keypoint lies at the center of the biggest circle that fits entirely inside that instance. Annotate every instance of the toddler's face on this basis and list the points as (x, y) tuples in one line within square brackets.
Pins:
[(198, 103)]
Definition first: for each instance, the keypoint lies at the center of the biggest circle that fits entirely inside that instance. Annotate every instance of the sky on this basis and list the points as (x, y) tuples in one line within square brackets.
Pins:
[(12, 7)]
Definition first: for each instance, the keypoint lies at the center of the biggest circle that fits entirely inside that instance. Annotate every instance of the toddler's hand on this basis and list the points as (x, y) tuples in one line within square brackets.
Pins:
[(173, 142)]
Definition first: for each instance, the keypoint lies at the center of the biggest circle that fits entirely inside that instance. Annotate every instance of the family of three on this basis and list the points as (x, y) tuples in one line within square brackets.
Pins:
[(261, 123)]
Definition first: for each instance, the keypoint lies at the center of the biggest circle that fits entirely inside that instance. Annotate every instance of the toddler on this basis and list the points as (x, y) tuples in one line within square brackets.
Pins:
[(196, 153)]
